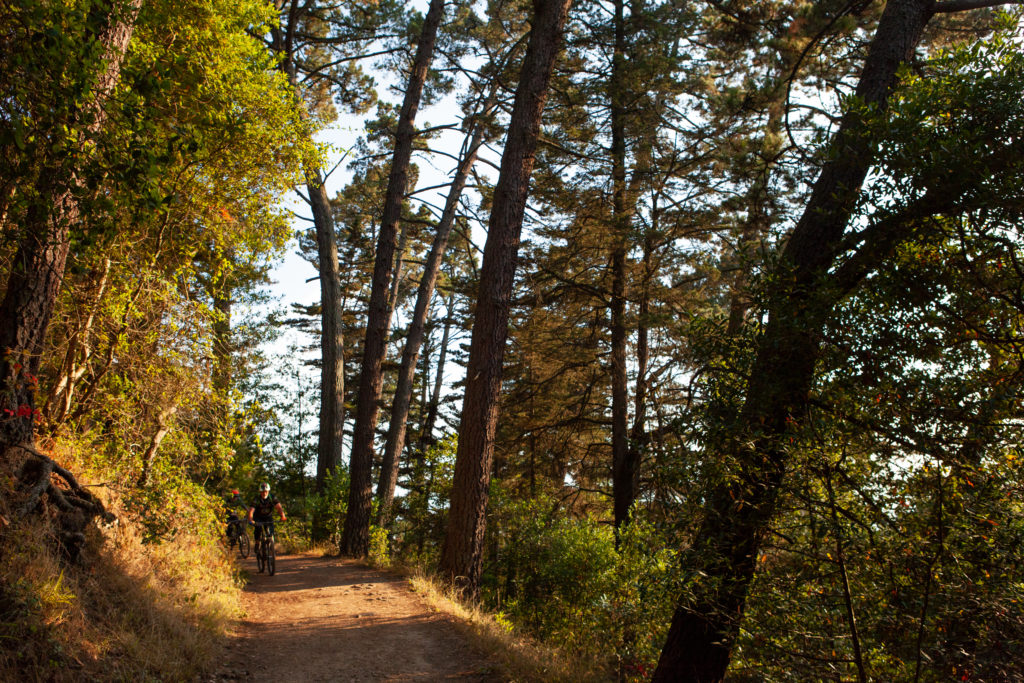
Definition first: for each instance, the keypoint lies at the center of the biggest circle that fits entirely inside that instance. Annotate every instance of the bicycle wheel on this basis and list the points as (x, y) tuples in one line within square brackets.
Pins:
[(261, 550), (243, 545), (271, 552)]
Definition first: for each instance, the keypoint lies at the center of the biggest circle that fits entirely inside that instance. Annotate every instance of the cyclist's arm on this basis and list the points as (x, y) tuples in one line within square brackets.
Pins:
[(280, 511), (251, 510)]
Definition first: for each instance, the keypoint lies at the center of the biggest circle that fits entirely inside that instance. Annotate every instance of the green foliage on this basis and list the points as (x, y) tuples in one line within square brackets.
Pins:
[(379, 551), (419, 529), (561, 579), (330, 505)]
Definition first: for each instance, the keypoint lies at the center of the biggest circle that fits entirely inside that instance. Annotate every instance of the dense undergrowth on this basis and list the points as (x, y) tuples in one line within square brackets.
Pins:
[(141, 603)]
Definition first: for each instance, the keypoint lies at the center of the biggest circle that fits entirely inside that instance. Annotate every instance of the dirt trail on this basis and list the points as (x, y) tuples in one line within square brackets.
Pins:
[(327, 619)]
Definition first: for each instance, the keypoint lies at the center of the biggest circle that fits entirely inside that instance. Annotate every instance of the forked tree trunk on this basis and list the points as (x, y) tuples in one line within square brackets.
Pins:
[(417, 327), (739, 511), (355, 537), (37, 268), (463, 544)]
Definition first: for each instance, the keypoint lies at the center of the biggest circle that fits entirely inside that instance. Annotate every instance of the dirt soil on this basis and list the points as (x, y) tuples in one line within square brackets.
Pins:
[(328, 619)]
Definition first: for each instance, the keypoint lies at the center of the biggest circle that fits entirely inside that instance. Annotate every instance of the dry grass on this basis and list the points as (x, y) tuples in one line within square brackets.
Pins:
[(523, 659), (128, 612)]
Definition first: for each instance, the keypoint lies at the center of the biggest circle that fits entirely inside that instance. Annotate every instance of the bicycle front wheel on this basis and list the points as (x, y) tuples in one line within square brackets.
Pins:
[(243, 545), (271, 552), (261, 554)]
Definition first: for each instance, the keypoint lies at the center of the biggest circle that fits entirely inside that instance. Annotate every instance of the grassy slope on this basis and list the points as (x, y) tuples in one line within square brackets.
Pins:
[(128, 611)]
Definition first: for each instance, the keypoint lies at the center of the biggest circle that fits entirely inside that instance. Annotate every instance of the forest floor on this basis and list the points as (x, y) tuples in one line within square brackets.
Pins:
[(330, 619)]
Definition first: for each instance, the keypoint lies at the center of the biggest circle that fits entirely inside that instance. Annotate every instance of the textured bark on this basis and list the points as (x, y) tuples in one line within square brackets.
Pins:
[(356, 534), (417, 327), (332, 340), (463, 545), (624, 467), (638, 432), (738, 511), (38, 265)]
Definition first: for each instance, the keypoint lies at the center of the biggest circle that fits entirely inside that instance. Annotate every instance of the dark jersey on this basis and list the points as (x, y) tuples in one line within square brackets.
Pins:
[(263, 508)]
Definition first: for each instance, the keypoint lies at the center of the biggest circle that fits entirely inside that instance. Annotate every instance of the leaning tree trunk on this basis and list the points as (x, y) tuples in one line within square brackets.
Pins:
[(332, 341), (163, 428), (462, 553), (355, 537), (38, 265), (403, 391), (738, 512)]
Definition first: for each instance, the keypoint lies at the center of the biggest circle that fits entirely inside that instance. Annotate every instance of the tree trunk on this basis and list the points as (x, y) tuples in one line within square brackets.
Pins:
[(76, 360), (427, 428), (356, 534), (462, 552), (332, 342), (38, 265), (638, 432), (403, 391), (624, 467), (738, 512), (162, 429), (398, 272)]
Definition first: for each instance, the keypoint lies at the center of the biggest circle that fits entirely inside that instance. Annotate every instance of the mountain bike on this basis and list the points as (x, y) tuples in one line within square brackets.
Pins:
[(265, 551), (235, 533)]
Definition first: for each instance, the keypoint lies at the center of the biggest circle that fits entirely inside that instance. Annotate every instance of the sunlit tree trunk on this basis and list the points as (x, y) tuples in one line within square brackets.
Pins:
[(463, 545), (76, 359), (332, 341)]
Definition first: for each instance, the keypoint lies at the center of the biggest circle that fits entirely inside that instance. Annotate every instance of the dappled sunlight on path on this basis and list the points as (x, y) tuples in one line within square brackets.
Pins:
[(327, 619)]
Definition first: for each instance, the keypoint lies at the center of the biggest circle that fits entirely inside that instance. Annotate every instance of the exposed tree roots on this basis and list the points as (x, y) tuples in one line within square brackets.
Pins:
[(43, 483)]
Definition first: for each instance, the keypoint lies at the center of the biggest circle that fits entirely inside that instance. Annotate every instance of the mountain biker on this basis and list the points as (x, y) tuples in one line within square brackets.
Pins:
[(232, 503), (262, 510)]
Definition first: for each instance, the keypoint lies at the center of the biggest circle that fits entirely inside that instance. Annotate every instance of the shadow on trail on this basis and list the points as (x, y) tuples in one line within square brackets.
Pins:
[(298, 572), (331, 619)]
